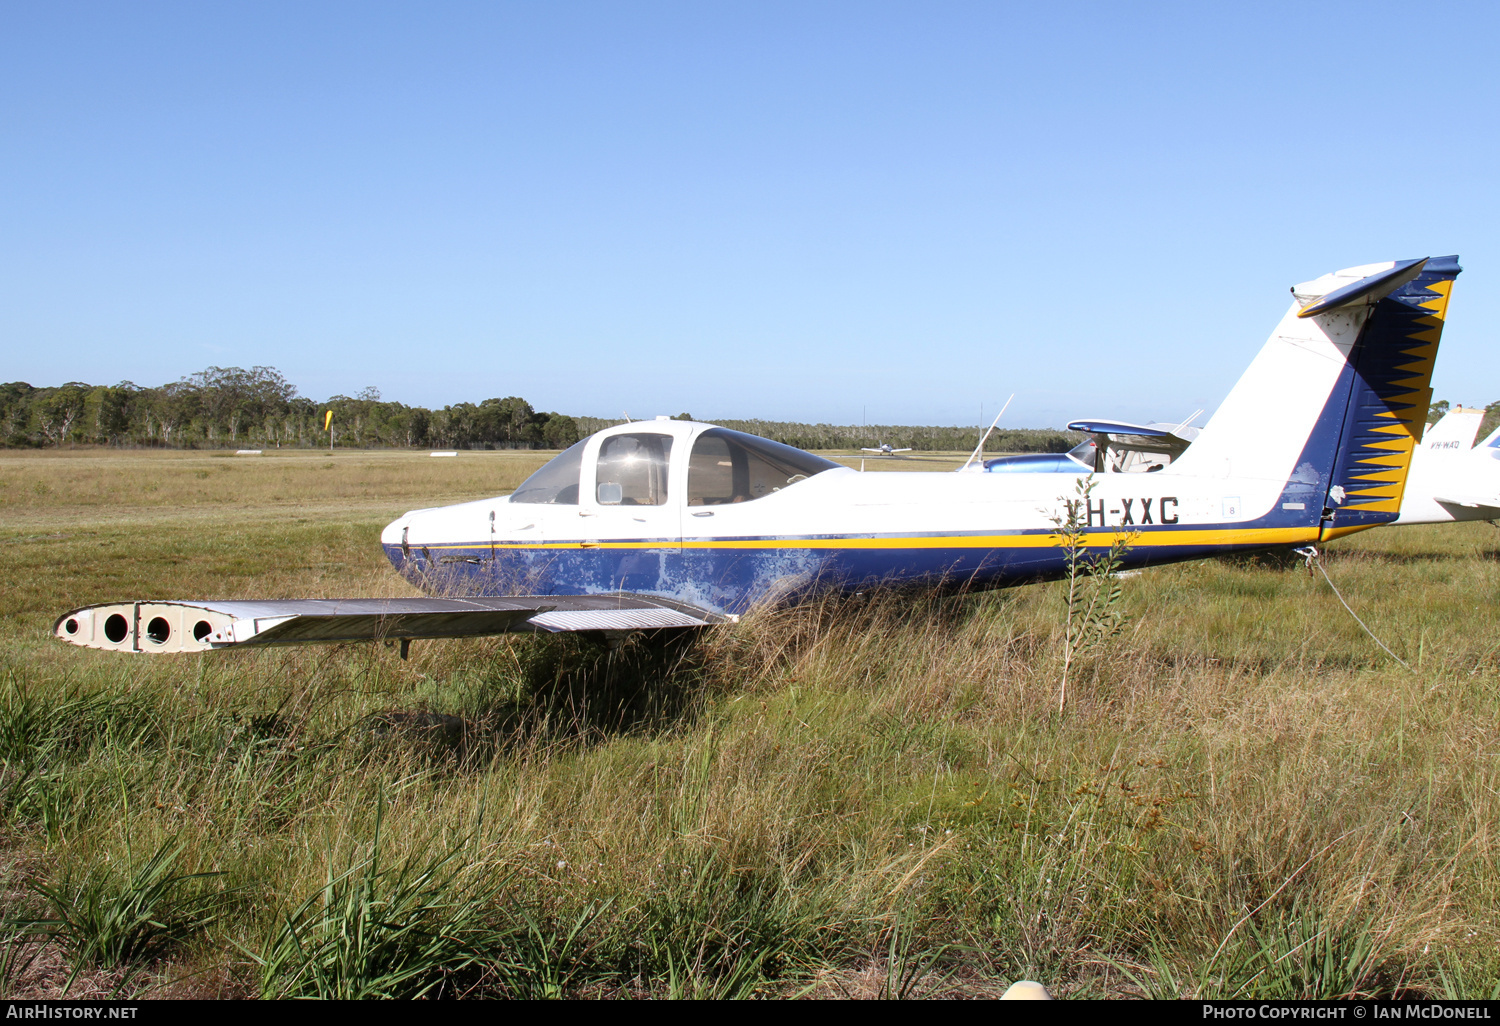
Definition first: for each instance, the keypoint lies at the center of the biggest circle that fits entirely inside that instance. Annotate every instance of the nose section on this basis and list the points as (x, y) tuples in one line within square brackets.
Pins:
[(396, 541)]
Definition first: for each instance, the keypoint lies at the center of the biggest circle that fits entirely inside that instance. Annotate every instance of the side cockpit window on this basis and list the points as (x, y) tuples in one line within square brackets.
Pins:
[(556, 482), (730, 466), (632, 470)]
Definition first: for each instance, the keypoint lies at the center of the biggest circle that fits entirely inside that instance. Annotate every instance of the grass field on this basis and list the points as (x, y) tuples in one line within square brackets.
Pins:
[(867, 797)]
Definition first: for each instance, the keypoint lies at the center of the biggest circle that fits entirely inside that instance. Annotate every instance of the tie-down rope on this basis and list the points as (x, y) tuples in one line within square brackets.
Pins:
[(1310, 554)]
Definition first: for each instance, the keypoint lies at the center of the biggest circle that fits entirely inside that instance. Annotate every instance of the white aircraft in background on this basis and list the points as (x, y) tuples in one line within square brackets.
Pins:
[(1451, 478), (674, 523), (885, 449)]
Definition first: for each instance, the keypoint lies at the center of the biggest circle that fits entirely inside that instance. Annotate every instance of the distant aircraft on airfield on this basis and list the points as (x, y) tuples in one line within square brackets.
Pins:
[(885, 449), (667, 523)]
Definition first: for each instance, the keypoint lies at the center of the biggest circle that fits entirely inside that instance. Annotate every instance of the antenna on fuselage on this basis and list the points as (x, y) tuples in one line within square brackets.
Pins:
[(627, 417), (1192, 417), (980, 447)]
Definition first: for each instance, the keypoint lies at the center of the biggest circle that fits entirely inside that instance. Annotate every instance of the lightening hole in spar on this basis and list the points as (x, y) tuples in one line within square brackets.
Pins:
[(116, 628)]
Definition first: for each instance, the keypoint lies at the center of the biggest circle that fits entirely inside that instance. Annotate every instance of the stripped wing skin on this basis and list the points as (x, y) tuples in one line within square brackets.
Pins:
[(172, 626)]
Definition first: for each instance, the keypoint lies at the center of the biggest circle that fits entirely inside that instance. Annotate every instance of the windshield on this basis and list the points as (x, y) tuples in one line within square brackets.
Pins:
[(730, 466), (556, 482)]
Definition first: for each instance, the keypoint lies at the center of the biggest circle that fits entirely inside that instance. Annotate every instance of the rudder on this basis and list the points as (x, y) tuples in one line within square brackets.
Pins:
[(1390, 394)]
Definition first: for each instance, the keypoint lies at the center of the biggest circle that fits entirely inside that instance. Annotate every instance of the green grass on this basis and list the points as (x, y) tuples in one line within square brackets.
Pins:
[(869, 797), (126, 915)]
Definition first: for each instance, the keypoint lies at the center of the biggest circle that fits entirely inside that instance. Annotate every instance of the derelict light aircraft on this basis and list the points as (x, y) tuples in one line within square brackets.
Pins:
[(674, 524)]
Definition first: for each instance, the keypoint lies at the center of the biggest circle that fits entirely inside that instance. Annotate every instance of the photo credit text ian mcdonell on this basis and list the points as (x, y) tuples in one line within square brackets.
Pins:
[(1347, 1011)]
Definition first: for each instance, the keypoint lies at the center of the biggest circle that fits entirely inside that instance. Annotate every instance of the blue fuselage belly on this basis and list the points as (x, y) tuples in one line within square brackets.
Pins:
[(732, 580)]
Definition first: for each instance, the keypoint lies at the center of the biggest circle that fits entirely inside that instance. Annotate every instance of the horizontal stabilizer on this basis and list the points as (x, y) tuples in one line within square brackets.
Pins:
[(1488, 505), (198, 626), (1368, 290)]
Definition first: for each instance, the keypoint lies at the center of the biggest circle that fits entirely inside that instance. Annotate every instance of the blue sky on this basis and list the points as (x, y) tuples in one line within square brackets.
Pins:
[(802, 211)]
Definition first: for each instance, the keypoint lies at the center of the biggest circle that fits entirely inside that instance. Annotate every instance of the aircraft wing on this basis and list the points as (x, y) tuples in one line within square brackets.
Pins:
[(1176, 435), (172, 626), (1118, 427)]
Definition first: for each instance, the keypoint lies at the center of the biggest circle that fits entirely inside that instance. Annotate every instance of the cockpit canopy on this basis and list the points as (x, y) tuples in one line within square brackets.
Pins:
[(731, 466), (632, 468)]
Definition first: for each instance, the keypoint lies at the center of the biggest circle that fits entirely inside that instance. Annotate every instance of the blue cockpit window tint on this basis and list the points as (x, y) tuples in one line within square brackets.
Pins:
[(557, 482), (731, 466)]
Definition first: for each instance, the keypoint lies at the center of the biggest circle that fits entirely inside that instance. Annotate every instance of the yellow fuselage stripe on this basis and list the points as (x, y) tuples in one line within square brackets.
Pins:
[(1207, 537)]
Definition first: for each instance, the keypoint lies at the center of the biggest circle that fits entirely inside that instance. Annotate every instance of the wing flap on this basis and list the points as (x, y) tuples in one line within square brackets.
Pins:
[(614, 620)]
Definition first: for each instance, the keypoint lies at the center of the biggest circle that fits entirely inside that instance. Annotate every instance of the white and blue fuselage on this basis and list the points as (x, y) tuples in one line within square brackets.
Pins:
[(1314, 441), (835, 528)]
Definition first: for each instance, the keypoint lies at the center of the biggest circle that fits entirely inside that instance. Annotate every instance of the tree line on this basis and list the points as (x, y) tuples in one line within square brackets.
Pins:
[(230, 407)]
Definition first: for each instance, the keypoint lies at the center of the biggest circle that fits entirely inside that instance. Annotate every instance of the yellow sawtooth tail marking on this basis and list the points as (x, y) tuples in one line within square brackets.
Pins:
[(1398, 460), (1439, 306), (1383, 464), (1415, 384)]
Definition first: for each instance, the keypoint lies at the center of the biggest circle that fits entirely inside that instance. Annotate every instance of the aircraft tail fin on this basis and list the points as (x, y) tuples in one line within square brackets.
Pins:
[(1328, 414), (1454, 432), (1390, 395)]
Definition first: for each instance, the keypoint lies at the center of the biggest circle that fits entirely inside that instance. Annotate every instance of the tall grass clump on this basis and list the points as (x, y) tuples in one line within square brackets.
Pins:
[(124, 916), (410, 927), (45, 738)]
